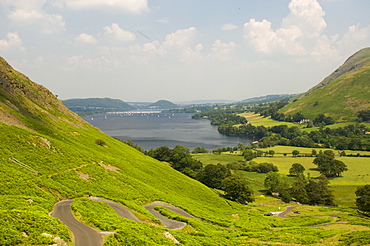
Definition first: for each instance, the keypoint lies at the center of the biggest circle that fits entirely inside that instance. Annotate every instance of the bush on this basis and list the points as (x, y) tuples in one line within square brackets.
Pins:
[(100, 142)]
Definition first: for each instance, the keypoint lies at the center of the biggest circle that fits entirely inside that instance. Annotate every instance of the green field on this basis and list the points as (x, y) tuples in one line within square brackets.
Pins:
[(344, 187), (257, 120)]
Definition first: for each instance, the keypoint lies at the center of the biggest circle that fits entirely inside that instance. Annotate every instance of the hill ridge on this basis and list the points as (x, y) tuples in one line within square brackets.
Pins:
[(341, 94)]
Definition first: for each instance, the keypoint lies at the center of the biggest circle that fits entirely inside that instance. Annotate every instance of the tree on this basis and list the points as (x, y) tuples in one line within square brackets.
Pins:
[(199, 150), (274, 182), (363, 198), (241, 146), (296, 169), (328, 165), (318, 191), (364, 115), (100, 142), (237, 189), (248, 154), (271, 152), (298, 189), (212, 175), (295, 152)]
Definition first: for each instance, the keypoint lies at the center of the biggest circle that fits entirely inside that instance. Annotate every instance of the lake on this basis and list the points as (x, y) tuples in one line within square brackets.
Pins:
[(155, 129)]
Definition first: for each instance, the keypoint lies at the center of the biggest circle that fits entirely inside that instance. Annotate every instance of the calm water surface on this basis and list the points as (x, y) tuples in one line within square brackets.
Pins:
[(152, 130)]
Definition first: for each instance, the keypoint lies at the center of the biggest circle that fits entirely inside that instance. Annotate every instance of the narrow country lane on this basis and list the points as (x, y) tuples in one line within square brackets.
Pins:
[(120, 210), (84, 235), (170, 224), (284, 213)]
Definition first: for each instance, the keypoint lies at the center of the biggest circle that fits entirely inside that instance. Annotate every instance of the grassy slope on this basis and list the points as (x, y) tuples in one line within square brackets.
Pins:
[(43, 134), (341, 94)]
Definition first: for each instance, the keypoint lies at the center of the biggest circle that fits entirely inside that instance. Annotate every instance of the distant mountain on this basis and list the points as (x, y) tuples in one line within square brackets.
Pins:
[(340, 95), (206, 102), (163, 104), (90, 106)]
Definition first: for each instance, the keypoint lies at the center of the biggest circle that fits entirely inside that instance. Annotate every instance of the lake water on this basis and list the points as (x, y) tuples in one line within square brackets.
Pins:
[(155, 129)]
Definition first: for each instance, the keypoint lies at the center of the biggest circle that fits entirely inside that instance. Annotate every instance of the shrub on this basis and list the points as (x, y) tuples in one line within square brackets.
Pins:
[(100, 142)]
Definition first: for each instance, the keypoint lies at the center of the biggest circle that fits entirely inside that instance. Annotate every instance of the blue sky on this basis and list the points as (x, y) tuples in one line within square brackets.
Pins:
[(146, 50)]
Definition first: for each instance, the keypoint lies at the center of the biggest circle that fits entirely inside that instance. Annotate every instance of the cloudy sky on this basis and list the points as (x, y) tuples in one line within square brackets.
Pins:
[(180, 50)]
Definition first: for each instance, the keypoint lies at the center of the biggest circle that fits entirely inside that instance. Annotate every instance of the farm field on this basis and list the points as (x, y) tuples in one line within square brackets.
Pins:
[(257, 120), (343, 187)]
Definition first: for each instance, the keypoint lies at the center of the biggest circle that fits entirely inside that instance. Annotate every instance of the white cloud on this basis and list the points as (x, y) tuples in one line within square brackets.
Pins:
[(222, 51), (182, 38), (307, 15), (115, 33), (164, 20), (299, 34), (131, 6), (13, 43), (229, 27), (86, 38), (24, 4), (355, 38), (27, 13)]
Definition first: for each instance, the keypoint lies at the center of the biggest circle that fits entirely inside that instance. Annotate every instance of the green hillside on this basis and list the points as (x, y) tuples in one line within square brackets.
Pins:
[(96, 105), (48, 154), (341, 95)]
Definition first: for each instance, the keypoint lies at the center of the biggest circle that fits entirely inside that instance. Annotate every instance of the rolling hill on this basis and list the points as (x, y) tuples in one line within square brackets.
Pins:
[(90, 106), (163, 104), (340, 95), (49, 154)]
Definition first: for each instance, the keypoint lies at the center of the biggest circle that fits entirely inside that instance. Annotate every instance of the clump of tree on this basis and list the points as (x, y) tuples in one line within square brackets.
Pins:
[(328, 165), (296, 169), (238, 189), (261, 167), (364, 115), (198, 150), (179, 158), (250, 154), (322, 120), (308, 191), (213, 175), (363, 198)]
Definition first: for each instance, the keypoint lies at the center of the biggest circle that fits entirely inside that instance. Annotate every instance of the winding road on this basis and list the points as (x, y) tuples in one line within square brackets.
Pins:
[(87, 236), (170, 224), (83, 234)]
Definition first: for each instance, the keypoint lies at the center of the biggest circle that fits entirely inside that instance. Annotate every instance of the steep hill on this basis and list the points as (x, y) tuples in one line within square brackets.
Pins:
[(340, 95), (90, 106), (163, 104)]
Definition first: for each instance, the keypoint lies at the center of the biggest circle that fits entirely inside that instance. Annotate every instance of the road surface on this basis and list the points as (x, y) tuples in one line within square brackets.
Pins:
[(287, 211), (83, 234), (170, 224), (120, 210)]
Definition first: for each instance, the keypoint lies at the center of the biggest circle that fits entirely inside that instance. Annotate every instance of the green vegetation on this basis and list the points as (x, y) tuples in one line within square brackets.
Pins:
[(363, 198)]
